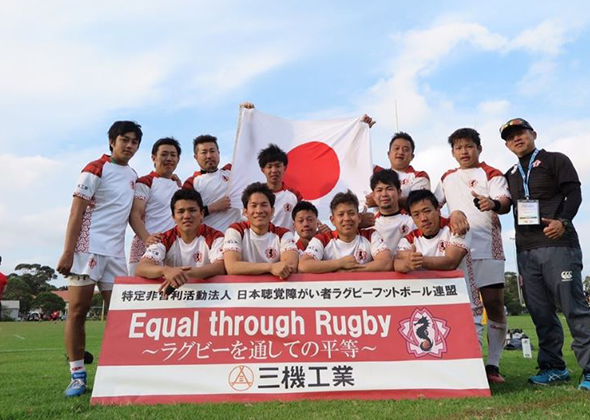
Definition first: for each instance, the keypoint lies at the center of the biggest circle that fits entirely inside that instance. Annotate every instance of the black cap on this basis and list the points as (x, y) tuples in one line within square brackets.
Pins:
[(514, 123)]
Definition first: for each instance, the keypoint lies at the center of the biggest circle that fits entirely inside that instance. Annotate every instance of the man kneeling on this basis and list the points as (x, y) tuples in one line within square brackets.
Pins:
[(189, 250), (434, 247), (347, 248)]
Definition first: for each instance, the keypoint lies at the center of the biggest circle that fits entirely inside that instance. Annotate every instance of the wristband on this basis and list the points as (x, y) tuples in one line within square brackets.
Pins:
[(497, 206)]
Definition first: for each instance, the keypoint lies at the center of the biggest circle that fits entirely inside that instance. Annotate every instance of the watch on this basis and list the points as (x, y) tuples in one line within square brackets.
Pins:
[(566, 224)]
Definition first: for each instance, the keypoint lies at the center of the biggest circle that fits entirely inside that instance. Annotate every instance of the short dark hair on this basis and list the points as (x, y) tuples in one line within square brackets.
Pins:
[(257, 187), (304, 205), (190, 195), (347, 197), (465, 133), (421, 195), (169, 141), (272, 153), (387, 177), (405, 136), (204, 138), (120, 128)]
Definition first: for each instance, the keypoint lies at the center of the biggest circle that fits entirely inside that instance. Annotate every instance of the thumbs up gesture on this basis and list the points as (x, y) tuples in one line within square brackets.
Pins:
[(416, 259), (554, 228), (482, 203)]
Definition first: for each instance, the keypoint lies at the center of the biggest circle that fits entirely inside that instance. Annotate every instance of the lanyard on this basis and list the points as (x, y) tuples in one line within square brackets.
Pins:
[(525, 178)]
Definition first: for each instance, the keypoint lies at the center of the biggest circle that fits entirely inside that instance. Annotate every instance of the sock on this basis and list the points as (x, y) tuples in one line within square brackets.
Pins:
[(496, 339), (478, 330), (77, 366)]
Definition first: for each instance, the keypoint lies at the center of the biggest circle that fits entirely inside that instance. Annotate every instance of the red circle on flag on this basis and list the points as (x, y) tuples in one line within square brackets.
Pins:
[(313, 169)]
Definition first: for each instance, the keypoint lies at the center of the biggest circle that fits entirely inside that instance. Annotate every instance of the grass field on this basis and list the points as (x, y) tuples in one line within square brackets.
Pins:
[(34, 373)]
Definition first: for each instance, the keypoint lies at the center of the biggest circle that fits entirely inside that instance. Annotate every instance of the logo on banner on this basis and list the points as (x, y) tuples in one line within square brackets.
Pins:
[(424, 334), (241, 378)]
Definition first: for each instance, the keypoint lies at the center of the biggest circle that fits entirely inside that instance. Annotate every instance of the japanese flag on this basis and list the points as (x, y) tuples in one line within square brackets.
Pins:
[(325, 157)]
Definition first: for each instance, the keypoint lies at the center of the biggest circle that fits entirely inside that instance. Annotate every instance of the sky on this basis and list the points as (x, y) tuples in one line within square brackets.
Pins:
[(181, 68)]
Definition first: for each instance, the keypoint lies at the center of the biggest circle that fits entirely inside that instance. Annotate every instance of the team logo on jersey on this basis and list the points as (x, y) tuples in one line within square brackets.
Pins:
[(225, 178), (473, 183), (271, 253), (361, 255), (405, 181), (404, 229), (132, 184), (424, 334), (288, 207), (92, 262), (198, 257), (442, 246), (536, 163)]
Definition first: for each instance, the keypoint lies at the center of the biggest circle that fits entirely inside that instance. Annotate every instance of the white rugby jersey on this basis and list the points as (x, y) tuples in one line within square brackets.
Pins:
[(285, 200), (269, 247), (157, 193), (436, 247), (410, 179), (213, 186), (364, 247), (206, 248), (393, 228), (455, 189), (109, 187)]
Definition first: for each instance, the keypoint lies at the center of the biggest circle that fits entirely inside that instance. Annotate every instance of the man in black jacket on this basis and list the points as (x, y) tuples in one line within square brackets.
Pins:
[(546, 195)]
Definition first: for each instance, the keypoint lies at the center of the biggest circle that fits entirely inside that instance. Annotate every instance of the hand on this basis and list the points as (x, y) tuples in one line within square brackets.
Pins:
[(175, 177), (247, 105), (368, 120), (281, 270), (370, 201), (414, 260), (554, 229), (323, 228), (65, 262), (459, 224), (176, 276), (154, 238), (367, 219), (222, 204), (350, 263), (483, 203)]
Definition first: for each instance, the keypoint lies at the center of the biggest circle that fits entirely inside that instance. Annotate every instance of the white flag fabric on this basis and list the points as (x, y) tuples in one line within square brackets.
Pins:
[(325, 157)]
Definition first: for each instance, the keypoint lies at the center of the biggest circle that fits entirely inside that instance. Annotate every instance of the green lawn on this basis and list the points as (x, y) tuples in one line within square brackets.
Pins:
[(34, 373)]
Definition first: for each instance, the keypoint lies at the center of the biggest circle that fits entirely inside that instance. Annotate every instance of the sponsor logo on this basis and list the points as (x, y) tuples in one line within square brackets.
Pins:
[(92, 262), (567, 276), (536, 163), (424, 334), (241, 378), (198, 257), (288, 207), (473, 183), (441, 246), (361, 255), (271, 253)]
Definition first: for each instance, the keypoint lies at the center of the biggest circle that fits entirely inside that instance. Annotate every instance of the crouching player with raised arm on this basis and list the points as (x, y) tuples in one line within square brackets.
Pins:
[(347, 248), (188, 250), (257, 246), (434, 247)]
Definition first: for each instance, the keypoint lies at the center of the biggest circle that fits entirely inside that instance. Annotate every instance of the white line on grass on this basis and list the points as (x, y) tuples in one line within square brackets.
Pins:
[(25, 350), (18, 336)]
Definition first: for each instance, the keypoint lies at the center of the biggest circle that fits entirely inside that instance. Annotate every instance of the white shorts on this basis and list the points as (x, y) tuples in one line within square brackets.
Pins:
[(96, 269), (488, 272)]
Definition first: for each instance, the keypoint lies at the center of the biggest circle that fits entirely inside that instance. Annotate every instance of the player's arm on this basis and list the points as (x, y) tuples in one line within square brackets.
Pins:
[(79, 205), (135, 219), (235, 266), (501, 205), (208, 270), (453, 257), (291, 258), (308, 264), (408, 260), (381, 262)]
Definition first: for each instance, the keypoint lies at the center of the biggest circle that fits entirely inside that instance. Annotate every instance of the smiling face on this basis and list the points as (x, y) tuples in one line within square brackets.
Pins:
[(400, 154), (345, 218), (306, 224), (124, 147), (426, 217), (259, 211), (187, 215), (166, 160), (466, 153), (521, 141), (387, 198), (207, 156)]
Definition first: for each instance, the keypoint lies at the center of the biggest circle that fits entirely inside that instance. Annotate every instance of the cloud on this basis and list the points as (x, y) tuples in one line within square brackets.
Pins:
[(547, 38)]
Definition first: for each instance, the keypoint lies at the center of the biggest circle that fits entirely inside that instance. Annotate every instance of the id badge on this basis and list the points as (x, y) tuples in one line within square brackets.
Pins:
[(527, 212)]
